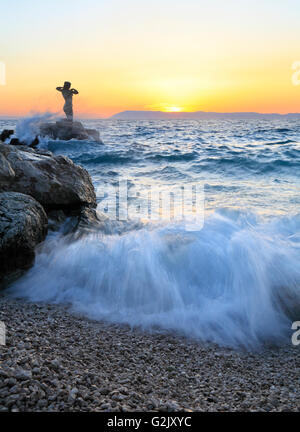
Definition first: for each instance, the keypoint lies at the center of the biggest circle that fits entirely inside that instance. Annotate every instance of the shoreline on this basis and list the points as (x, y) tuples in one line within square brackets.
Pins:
[(56, 361)]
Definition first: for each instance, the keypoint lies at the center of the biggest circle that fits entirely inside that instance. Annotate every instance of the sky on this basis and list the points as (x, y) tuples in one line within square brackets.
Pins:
[(169, 55)]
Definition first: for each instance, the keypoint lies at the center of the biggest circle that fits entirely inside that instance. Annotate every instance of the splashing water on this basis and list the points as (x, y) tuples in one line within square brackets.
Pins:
[(236, 281), (28, 128)]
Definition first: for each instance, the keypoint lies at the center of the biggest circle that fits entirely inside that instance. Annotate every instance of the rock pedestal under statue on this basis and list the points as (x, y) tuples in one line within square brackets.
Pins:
[(66, 130)]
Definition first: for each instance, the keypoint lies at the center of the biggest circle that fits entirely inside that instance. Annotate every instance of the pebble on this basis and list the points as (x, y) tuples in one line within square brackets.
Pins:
[(57, 361)]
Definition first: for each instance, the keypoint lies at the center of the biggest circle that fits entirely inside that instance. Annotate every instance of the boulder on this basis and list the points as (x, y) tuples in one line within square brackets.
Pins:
[(54, 181), (66, 130), (17, 142), (5, 134), (7, 174), (23, 224)]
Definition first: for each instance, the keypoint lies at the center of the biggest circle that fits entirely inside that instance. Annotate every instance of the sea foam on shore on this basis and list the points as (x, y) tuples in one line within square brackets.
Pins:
[(235, 282)]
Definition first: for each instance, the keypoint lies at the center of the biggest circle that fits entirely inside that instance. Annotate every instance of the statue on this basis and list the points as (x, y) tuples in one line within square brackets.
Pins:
[(68, 93), (66, 129)]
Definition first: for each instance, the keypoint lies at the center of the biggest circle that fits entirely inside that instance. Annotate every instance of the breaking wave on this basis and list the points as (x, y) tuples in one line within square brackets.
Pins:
[(236, 282)]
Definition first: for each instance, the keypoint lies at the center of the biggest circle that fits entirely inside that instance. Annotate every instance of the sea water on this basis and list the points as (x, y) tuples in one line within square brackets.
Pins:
[(233, 279)]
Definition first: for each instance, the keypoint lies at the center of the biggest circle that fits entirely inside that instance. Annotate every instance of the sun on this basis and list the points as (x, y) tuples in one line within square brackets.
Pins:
[(173, 109)]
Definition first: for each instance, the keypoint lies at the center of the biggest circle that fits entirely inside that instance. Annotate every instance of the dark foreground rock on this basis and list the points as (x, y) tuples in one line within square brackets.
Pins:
[(54, 181), (66, 130), (5, 134), (54, 361), (23, 224), (33, 182)]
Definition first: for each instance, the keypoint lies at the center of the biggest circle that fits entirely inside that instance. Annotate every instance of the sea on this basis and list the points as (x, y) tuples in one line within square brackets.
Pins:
[(204, 242)]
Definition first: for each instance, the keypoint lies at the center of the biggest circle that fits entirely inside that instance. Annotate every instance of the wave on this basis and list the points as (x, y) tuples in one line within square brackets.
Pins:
[(165, 173), (266, 164), (72, 146), (174, 157), (284, 142), (236, 282), (273, 130), (28, 127), (106, 158)]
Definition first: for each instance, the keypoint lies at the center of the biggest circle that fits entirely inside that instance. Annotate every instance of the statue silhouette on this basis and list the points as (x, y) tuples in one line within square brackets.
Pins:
[(68, 93)]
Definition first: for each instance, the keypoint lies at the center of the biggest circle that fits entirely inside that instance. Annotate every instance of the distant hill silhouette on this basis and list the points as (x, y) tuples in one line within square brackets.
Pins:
[(199, 115)]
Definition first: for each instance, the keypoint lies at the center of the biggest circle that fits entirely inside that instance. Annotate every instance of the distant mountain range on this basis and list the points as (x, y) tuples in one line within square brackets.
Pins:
[(200, 115)]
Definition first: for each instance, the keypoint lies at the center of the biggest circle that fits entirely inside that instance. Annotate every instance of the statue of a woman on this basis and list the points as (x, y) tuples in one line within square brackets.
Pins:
[(68, 93)]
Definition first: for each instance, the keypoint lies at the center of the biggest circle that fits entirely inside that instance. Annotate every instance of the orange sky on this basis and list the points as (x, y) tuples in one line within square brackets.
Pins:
[(167, 55)]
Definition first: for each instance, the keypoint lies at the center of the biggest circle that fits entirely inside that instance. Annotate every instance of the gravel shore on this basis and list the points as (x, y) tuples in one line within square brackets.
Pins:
[(55, 361)]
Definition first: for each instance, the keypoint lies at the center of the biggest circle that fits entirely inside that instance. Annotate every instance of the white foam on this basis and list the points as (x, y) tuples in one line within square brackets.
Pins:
[(231, 282), (28, 127)]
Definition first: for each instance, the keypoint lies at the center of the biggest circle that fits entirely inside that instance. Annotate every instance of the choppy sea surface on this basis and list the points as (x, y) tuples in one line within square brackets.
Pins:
[(234, 279)]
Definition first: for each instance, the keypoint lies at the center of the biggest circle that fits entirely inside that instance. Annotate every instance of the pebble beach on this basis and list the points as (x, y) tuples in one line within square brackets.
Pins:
[(56, 361)]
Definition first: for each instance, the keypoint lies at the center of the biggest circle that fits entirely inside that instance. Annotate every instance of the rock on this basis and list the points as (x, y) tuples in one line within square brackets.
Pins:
[(23, 224), (5, 134), (55, 365), (89, 218), (56, 218), (73, 394), (7, 174), (35, 142), (104, 391), (78, 223), (54, 181), (23, 375), (66, 130), (15, 142)]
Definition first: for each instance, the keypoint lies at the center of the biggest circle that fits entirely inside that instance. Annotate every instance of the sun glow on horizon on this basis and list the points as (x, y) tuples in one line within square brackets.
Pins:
[(225, 58), (174, 109)]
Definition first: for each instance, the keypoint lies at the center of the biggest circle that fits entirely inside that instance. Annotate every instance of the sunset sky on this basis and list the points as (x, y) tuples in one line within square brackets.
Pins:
[(170, 55)]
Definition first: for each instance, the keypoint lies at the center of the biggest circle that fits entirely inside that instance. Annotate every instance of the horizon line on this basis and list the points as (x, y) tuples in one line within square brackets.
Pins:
[(178, 113)]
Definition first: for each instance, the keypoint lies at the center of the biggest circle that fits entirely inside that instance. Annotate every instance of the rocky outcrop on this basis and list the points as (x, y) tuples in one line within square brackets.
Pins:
[(54, 181), (34, 183), (66, 130), (23, 224), (7, 174), (16, 142), (5, 134)]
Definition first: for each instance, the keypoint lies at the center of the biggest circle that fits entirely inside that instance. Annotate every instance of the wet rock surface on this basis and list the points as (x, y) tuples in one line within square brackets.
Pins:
[(55, 361), (66, 130), (89, 219), (54, 181), (33, 182), (23, 225), (5, 134)]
